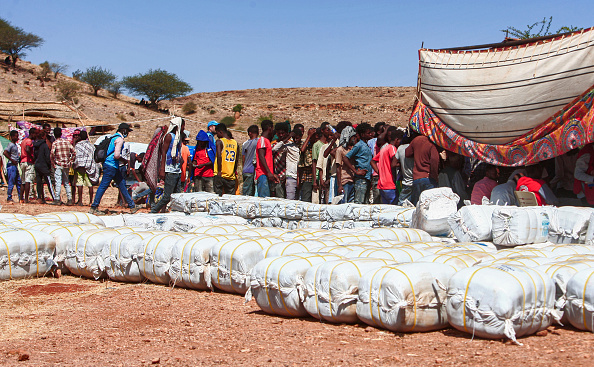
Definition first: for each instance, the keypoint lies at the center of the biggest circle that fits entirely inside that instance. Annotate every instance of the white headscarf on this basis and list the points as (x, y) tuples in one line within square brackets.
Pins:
[(173, 123)]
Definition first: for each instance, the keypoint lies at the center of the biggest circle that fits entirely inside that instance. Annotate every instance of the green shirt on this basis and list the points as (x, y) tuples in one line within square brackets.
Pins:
[(315, 153)]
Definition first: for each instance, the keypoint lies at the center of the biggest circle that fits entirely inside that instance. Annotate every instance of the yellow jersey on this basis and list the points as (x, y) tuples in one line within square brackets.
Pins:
[(228, 157)]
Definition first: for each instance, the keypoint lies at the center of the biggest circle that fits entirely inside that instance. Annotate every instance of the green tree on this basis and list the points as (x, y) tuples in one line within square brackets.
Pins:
[(98, 78), (538, 29), (14, 41), (67, 90), (115, 88), (58, 67), (157, 85)]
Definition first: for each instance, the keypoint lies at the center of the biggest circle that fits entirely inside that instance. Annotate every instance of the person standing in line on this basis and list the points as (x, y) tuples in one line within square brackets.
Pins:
[(292, 161), (451, 176), (86, 172), (406, 171), (248, 150), (111, 170), (361, 155), (62, 155), (28, 162), (533, 182), (186, 161), (426, 167), (43, 166), (385, 163), (305, 166), (203, 166), (344, 175), (376, 144), (324, 132), (264, 174), (279, 157), (170, 164), (225, 163), (13, 156)]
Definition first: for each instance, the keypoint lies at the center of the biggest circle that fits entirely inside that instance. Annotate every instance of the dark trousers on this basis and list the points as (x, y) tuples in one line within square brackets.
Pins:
[(172, 186)]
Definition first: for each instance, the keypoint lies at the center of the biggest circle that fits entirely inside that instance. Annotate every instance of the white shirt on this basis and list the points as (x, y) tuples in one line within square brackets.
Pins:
[(406, 165)]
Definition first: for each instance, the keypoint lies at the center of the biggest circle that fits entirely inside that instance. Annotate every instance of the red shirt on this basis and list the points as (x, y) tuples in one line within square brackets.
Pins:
[(263, 143), (533, 185), (426, 158), (202, 157), (384, 159), (25, 158)]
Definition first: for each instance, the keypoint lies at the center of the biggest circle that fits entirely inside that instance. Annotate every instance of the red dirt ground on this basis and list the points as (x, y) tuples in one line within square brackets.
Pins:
[(117, 324)]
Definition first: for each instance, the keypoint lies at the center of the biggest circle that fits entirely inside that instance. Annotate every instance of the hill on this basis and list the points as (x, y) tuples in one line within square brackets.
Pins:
[(309, 106)]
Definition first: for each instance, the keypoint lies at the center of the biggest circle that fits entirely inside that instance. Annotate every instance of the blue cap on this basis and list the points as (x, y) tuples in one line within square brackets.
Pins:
[(202, 136), (212, 123)]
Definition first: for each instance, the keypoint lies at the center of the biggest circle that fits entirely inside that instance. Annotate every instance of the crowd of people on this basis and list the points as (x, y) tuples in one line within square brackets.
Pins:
[(329, 164)]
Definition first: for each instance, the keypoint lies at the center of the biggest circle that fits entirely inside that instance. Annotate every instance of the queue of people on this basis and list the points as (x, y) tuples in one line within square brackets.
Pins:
[(330, 164)]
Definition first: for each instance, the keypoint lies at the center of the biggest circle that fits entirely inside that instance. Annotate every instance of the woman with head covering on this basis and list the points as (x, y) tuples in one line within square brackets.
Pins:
[(203, 165)]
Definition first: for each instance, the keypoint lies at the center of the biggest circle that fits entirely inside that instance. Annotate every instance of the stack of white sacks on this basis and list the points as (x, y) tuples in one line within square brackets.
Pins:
[(494, 272)]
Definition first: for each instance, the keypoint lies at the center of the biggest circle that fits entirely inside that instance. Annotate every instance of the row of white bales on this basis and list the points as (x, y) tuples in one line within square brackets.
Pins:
[(399, 279)]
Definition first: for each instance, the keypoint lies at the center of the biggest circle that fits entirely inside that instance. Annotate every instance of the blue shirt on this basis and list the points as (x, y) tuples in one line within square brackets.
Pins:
[(362, 156), (110, 159), (249, 150)]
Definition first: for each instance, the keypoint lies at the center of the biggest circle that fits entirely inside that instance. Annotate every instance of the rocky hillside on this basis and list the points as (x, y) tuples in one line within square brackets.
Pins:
[(309, 106)]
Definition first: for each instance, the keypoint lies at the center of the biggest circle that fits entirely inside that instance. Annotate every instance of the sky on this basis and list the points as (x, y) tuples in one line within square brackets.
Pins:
[(222, 45)]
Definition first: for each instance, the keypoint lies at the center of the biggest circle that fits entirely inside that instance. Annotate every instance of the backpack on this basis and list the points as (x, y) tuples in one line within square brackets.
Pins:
[(101, 150)]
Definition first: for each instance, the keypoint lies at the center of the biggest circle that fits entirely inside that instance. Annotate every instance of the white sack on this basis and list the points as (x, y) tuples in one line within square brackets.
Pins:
[(277, 283), (155, 258), (459, 260), (331, 288), (434, 208), (569, 224), (111, 221), (403, 254), (190, 260), (232, 262), (589, 238), (500, 301), (25, 253), (579, 307), (397, 234), (472, 223), (520, 225), (191, 202), (73, 217), (120, 256), (292, 247), (83, 255), (405, 297), (216, 229)]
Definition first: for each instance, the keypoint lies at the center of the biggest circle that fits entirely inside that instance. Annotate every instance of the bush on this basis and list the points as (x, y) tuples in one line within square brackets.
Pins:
[(228, 121), (67, 90), (77, 74), (45, 69), (115, 88), (237, 108), (189, 108), (266, 117), (212, 112)]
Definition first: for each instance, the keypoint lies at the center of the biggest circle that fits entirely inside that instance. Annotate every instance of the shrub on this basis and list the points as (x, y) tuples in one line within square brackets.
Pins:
[(266, 117), (121, 116), (45, 69), (77, 74), (237, 108), (115, 88), (227, 121), (212, 112), (67, 90), (189, 108)]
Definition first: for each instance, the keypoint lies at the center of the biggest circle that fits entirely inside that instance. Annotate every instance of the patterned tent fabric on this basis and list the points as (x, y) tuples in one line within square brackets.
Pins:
[(509, 105), (571, 128)]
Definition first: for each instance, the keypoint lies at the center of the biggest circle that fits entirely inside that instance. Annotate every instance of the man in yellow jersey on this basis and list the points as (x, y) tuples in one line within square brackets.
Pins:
[(226, 162)]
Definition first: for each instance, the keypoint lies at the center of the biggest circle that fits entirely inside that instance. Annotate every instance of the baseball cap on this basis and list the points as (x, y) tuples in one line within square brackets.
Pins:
[(124, 125), (212, 123)]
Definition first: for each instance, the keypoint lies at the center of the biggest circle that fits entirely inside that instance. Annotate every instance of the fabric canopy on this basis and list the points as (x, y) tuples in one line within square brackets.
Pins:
[(509, 106)]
